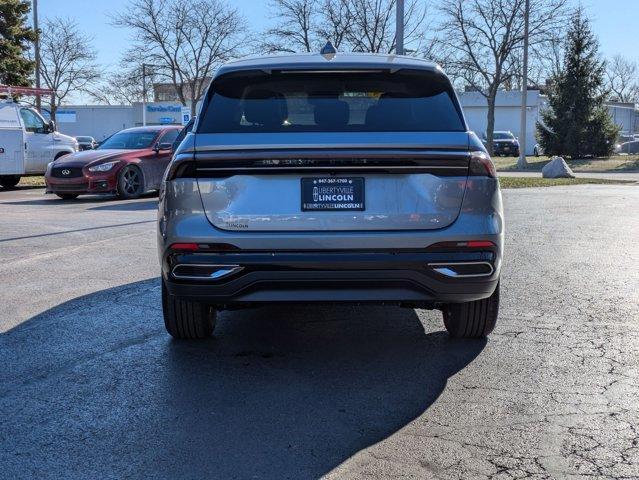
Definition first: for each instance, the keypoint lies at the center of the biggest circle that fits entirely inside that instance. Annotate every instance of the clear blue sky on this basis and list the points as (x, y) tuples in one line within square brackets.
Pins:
[(614, 21)]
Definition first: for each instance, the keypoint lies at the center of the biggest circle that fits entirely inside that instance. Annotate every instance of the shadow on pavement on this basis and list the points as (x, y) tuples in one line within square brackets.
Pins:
[(107, 201), (129, 206), (64, 232), (94, 388), (18, 188)]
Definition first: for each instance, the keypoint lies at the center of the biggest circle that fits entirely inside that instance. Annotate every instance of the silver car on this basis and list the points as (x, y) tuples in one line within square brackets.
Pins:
[(321, 178)]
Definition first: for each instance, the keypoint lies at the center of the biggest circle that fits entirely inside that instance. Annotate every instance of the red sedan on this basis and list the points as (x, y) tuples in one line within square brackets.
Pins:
[(128, 163)]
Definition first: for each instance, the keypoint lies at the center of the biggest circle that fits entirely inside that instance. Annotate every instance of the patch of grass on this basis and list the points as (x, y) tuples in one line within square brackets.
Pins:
[(618, 163), (529, 182), (37, 181)]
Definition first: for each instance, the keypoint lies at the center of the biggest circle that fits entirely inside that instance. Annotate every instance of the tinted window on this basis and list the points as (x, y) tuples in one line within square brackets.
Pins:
[(129, 141), (503, 136), (331, 102), (170, 136), (187, 128)]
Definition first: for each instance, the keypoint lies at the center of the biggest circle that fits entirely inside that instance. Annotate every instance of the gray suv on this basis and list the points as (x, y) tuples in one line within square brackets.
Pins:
[(346, 178)]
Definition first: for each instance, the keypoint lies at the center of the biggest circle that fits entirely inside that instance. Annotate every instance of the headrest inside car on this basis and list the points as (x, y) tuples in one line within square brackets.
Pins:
[(331, 114), (266, 108)]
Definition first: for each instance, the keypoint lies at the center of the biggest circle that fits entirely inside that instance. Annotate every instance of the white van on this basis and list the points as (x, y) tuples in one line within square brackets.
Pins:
[(28, 143)]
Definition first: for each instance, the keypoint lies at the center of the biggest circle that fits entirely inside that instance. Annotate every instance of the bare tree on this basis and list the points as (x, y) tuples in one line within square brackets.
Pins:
[(622, 79), (123, 86), (547, 58), (67, 60), (295, 30), (351, 25), (184, 40), (482, 39), (373, 25), (335, 23)]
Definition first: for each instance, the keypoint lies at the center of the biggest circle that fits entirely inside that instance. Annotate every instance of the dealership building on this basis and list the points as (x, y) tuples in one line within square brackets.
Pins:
[(100, 121)]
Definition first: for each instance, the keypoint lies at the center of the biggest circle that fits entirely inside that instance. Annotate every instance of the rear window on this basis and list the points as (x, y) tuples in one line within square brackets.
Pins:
[(503, 136), (414, 101)]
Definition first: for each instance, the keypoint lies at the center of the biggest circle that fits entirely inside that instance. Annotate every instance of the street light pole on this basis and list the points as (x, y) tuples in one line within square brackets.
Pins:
[(37, 53), (522, 162), (144, 94), (399, 28)]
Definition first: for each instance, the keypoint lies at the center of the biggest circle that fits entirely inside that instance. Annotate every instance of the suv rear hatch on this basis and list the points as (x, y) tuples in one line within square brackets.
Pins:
[(331, 151)]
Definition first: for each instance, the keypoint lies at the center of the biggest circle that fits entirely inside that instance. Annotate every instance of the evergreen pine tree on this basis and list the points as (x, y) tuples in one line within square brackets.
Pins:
[(15, 39), (577, 122)]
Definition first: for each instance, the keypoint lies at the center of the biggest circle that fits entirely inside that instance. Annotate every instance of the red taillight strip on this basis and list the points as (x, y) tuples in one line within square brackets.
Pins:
[(185, 247), (463, 244), (479, 244), (203, 247)]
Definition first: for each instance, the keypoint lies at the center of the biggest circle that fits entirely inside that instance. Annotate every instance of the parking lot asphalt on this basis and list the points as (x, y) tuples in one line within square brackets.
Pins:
[(92, 387)]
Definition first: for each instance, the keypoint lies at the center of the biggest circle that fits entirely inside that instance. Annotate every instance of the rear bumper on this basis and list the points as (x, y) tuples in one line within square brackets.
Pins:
[(506, 150), (377, 277)]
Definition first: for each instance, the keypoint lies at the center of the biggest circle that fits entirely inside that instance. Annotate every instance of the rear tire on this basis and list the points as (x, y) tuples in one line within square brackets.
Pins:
[(185, 319), (472, 319), (9, 181), (67, 196)]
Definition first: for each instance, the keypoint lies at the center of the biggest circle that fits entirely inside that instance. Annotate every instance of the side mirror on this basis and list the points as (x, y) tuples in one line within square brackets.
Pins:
[(162, 146), (50, 126)]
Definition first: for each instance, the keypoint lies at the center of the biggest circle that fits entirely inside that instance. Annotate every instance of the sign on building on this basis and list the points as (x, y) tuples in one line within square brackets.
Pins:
[(186, 115)]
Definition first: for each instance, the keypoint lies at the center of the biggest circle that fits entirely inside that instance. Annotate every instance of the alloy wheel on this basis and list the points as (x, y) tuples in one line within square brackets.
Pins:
[(131, 181)]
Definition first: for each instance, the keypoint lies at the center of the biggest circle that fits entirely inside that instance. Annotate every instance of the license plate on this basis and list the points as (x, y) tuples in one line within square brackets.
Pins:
[(332, 193)]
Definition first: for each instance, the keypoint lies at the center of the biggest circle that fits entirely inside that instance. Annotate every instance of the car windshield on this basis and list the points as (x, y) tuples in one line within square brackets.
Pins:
[(503, 136), (129, 141), (358, 101)]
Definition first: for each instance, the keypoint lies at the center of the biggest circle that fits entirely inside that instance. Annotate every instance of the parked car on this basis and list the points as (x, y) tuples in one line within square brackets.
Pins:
[(310, 179), (626, 137), (86, 143), (630, 148), (129, 163), (504, 144), (28, 143)]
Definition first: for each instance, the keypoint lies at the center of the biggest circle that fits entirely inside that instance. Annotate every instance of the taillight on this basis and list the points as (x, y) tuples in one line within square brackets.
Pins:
[(185, 247), (481, 165), (203, 247), (462, 244)]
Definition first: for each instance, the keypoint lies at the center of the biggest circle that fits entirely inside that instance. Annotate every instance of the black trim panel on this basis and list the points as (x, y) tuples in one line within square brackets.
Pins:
[(345, 277)]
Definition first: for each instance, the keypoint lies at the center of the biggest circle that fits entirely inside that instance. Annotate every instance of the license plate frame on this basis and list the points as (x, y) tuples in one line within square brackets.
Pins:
[(333, 194)]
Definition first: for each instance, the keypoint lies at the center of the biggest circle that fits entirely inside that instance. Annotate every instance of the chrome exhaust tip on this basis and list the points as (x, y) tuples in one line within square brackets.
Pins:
[(463, 269), (186, 271)]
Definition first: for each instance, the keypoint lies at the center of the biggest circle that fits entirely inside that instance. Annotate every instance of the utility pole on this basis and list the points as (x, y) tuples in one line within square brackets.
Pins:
[(37, 53), (144, 94), (399, 28), (522, 162)]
